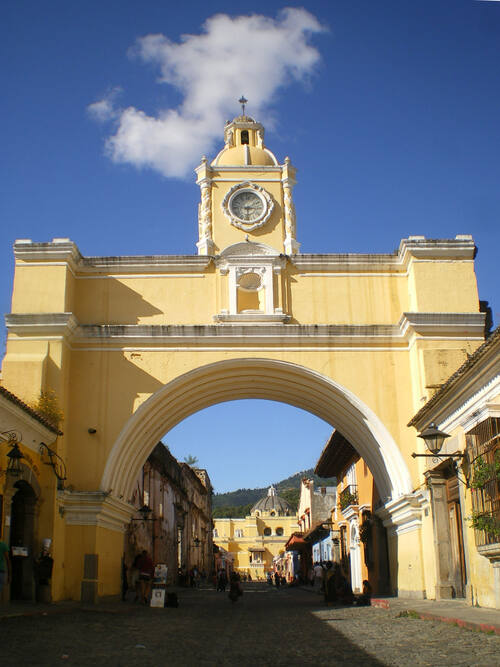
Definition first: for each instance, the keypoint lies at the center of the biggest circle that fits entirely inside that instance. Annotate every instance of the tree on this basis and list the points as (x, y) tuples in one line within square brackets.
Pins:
[(191, 460)]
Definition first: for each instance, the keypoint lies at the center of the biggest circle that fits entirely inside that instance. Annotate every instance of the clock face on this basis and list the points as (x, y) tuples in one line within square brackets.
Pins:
[(247, 206)]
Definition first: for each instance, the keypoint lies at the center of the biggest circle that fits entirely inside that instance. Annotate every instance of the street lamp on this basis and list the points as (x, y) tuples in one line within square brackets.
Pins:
[(14, 455), (434, 439), (14, 464)]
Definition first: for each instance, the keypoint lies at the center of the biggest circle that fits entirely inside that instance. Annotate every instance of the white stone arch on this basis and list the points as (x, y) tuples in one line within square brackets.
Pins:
[(268, 379)]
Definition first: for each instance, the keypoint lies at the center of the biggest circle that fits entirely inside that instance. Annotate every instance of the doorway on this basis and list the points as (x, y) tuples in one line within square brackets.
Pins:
[(457, 571), (22, 532)]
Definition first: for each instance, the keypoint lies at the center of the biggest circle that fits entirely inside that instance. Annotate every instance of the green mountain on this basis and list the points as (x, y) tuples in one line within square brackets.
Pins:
[(238, 503)]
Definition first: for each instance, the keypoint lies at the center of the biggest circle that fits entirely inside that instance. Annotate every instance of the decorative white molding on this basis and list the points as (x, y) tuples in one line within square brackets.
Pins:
[(491, 552), (205, 243), (404, 514), (244, 258), (251, 318), (462, 247), (59, 324), (244, 250), (443, 324), (95, 508), (351, 512), (476, 408), (398, 262)]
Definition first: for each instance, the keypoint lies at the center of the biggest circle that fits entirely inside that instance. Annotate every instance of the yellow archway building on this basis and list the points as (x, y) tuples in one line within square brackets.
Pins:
[(133, 345)]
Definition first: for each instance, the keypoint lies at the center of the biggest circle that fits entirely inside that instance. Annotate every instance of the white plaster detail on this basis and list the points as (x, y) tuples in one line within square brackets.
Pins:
[(95, 508), (404, 514), (250, 258)]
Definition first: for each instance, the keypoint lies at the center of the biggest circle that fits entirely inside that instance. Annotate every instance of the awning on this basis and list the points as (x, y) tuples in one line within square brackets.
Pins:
[(316, 532), (258, 549), (295, 542), (337, 454)]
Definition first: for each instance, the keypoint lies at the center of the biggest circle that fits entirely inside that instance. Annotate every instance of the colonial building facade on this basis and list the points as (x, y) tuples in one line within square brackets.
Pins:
[(133, 345), (257, 539), (463, 480), (173, 519), (359, 535)]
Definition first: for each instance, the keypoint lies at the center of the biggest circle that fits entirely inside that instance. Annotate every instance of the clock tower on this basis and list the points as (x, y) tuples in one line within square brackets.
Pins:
[(246, 195)]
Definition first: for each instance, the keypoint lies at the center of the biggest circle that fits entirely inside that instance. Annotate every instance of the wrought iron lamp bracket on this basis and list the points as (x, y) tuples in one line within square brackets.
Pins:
[(56, 463)]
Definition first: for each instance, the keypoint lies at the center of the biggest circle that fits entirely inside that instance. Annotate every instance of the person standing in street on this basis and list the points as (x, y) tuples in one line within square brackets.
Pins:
[(146, 573), (318, 578), (5, 569)]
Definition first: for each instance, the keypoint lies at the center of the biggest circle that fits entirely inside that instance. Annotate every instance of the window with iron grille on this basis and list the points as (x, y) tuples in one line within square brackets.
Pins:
[(483, 450)]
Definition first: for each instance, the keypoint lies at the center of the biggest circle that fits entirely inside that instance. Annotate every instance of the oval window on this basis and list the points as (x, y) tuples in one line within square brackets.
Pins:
[(250, 281)]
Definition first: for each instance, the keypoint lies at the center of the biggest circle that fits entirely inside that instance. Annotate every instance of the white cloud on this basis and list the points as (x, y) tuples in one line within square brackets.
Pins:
[(251, 55), (104, 109)]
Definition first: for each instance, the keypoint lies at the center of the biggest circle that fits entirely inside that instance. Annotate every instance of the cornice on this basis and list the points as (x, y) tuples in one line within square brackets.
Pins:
[(414, 248), (444, 324), (243, 167), (59, 324), (410, 249), (462, 247), (243, 329), (58, 250), (95, 508), (147, 263), (251, 319), (405, 513), (239, 334), (342, 262), (64, 251)]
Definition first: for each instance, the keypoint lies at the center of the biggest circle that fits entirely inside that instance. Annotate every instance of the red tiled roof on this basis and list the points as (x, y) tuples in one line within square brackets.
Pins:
[(33, 413)]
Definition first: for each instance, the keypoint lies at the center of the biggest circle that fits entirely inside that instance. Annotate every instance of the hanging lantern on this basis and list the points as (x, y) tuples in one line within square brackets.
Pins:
[(14, 465), (434, 438)]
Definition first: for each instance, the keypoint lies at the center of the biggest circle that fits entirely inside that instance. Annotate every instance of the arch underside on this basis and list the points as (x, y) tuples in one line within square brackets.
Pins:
[(256, 379)]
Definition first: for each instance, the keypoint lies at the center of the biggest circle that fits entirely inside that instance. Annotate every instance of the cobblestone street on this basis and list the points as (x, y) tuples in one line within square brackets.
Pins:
[(266, 626)]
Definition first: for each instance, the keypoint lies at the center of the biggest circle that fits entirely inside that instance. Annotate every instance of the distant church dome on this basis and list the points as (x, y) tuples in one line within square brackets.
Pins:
[(271, 504)]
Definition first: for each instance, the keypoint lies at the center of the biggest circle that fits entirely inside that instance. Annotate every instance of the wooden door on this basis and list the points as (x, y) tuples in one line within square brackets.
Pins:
[(457, 573)]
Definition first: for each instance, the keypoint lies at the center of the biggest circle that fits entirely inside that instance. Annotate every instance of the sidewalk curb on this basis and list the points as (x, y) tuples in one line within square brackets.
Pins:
[(425, 615)]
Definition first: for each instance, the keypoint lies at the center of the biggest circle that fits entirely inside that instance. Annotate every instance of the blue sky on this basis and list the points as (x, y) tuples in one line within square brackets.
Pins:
[(393, 126)]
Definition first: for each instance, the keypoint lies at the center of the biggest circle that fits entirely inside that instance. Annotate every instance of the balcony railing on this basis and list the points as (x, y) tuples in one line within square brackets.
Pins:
[(349, 496)]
